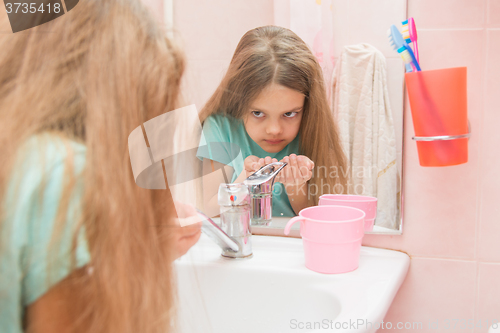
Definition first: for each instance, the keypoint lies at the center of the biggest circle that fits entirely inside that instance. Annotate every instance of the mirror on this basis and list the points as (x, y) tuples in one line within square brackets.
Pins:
[(210, 32)]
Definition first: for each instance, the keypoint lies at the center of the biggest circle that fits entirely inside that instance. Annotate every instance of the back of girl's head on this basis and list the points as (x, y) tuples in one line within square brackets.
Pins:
[(85, 63), (265, 55), (93, 75)]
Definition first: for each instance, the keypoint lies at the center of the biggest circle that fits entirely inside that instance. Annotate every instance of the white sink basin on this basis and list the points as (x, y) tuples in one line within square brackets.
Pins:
[(274, 292)]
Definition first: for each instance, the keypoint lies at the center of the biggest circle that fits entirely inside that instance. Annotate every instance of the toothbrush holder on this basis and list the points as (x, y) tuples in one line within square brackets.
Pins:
[(438, 102)]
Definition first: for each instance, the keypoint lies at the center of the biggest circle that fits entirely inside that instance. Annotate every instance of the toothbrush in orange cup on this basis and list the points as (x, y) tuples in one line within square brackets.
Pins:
[(409, 32)]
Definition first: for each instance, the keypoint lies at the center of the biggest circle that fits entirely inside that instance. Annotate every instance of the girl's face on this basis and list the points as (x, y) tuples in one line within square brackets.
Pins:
[(273, 119)]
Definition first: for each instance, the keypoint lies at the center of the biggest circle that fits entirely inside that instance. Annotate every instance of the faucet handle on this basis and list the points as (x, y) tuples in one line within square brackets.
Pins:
[(263, 179), (215, 233), (230, 195)]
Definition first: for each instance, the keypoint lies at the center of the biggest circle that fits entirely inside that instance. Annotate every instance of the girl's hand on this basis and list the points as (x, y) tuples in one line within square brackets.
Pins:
[(297, 172), (185, 237), (253, 163)]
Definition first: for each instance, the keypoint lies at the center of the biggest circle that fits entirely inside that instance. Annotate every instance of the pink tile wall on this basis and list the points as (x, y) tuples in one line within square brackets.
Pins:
[(489, 230), (197, 22), (429, 296), (451, 217)]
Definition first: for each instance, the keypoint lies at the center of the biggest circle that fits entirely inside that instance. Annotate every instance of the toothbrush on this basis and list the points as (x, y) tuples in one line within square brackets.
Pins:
[(405, 55), (408, 65), (409, 32), (413, 36), (405, 32), (397, 42)]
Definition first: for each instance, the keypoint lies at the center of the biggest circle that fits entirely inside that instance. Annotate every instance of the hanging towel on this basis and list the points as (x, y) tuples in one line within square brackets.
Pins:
[(362, 110)]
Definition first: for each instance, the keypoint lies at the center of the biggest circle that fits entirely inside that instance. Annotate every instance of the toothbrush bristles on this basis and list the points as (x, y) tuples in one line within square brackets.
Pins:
[(391, 40), (406, 57)]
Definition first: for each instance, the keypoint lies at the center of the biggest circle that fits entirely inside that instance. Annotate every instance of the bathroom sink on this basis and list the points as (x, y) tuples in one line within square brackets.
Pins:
[(274, 292)]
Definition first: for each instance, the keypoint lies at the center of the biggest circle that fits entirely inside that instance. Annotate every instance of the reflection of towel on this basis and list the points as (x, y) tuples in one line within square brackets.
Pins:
[(362, 109)]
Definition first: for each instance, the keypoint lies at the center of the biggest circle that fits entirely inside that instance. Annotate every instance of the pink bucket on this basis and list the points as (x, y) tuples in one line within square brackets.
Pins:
[(365, 203), (331, 236)]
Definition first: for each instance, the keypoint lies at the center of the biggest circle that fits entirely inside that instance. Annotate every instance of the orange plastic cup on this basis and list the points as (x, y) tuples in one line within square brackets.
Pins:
[(438, 101)]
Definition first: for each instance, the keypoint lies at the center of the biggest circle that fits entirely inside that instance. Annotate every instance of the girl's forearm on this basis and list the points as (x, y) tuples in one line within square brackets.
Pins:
[(297, 195)]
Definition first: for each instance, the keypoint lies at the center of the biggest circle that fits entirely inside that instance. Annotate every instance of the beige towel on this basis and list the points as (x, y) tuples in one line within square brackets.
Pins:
[(361, 107)]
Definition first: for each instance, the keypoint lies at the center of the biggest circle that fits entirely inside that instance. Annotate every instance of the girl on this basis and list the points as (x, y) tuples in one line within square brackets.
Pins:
[(82, 247), (272, 104)]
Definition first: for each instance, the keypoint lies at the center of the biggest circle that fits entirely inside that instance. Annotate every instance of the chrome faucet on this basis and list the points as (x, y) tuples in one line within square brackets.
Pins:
[(234, 202), (215, 233), (241, 205), (233, 235), (260, 185)]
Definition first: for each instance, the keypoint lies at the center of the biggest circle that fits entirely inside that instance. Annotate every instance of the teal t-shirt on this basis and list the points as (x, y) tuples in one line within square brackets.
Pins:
[(29, 264), (227, 129)]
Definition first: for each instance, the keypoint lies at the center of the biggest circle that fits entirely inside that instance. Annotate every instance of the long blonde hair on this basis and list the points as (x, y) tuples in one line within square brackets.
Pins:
[(92, 76), (274, 54)]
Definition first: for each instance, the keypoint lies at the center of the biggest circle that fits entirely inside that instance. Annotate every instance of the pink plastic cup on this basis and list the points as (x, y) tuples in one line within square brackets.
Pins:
[(331, 236), (365, 203)]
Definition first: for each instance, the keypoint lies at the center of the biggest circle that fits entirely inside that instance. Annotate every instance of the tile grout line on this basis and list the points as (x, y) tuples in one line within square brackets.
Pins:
[(451, 29), (479, 214), (453, 259)]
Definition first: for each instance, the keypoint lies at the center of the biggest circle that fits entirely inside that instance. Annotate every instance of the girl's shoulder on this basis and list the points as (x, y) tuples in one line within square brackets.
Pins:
[(52, 147), (46, 157), (46, 154), (223, 128), (43, 160), (32, 202)]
